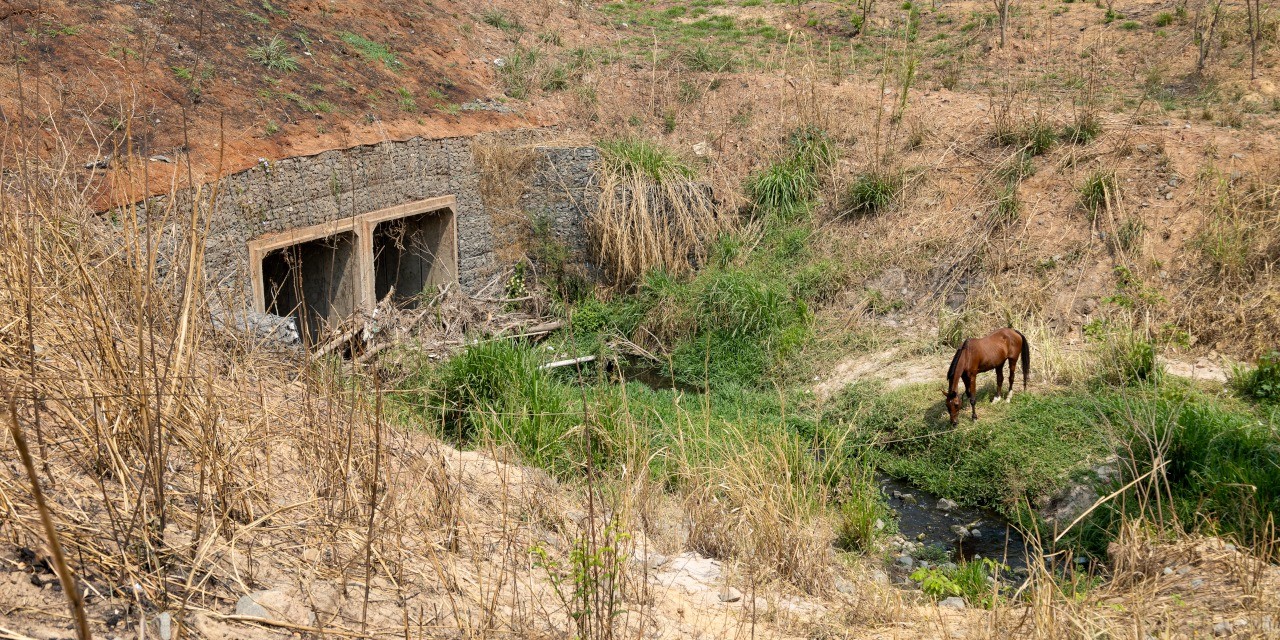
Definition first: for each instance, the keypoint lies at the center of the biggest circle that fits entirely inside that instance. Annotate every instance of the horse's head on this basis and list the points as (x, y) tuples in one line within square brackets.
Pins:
[(954, 402)]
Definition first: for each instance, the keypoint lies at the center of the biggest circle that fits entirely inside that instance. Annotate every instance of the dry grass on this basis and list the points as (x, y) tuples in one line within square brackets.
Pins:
[(641, 224)]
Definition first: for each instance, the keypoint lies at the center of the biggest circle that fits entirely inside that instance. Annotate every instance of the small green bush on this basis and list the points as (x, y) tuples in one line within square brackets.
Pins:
[(1130, 25), (498, 18), (1164, 19), (970, 580), (1008, 207), (1038, 137), (703, 58), (1261, 383)]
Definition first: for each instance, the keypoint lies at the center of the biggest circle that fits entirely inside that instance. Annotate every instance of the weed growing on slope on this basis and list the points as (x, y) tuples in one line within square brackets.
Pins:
[(1098, 191), (871, 193), (274, 55)]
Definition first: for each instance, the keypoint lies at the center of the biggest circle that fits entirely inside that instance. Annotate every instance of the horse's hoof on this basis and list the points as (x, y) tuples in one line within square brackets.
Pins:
[(995, 399)]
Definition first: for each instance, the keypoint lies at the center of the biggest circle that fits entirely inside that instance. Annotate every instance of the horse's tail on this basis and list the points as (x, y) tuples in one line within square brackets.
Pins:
[(1026, 359), (951, 370)]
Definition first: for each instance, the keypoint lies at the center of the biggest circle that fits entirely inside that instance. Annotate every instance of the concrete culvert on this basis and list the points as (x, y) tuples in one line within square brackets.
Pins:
[(315, 282), (411, 254)]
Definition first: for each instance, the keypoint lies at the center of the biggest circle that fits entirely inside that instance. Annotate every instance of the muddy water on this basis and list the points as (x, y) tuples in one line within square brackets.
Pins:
[(919, 516)]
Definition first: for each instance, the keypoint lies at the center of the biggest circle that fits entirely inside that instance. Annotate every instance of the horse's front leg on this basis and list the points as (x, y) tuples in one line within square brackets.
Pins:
[(999, 383), (971, 388)]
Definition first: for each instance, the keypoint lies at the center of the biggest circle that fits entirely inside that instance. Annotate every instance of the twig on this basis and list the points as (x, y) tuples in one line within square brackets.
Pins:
[(74, 598)]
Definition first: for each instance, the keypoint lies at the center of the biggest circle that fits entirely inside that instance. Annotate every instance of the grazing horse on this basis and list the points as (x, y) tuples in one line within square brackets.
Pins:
[(984, 354)]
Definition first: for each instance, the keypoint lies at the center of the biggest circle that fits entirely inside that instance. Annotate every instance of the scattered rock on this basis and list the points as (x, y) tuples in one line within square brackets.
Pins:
[(164, 626), (1197, 583), (952, 603), (1182, 571), (247, 606), (844, 586), (1222, 628), (908, 498), (729, 594), (99, 163), (975, 533), (879, 577), (1168, 571), (1168, 196), (947, 505), (164, 159), (701, 149), (905, 562), (274, 605)]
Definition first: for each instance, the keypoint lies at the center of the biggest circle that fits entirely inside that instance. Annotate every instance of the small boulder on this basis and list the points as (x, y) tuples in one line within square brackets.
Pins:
[(1222, 628), (905, 562), (952, 603), (164, 626), (729, 594), (947, 505), (248, 607)]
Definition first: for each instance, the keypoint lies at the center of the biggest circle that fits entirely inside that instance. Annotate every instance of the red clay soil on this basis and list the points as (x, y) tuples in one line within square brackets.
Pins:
[(154, 80)]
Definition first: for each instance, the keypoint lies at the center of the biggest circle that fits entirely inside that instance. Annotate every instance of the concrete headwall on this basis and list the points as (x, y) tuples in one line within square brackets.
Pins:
[(282, 195)]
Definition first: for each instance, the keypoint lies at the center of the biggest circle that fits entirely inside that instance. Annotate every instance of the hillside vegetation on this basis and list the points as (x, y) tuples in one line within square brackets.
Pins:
[(888, 180)]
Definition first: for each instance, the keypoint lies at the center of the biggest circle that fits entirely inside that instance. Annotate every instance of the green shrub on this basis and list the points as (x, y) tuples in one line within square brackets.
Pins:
[(1038, 137), (863, 513), (1126, 357), (498, 18), (871, 193), (1164, 19), (520, 71), (1262, 382), (970, 580), (1008, 207), (812, 147)]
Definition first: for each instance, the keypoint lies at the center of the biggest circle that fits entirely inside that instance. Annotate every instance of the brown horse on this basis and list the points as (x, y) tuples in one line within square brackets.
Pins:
[(984, 354)]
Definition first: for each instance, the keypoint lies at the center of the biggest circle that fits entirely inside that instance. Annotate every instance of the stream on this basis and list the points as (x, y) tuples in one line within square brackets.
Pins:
[(920, 520)]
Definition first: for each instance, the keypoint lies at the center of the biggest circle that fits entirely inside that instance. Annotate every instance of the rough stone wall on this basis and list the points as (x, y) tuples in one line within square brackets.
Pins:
[(303, 191), (564, 190)]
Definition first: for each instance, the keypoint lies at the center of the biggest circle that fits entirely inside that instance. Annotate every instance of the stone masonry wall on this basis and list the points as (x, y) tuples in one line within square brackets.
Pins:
[(303, 191)]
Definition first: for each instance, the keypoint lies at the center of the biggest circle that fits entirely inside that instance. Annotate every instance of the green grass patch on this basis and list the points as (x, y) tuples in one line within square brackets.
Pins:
[(643, 157), (370, 50), (274, 55)]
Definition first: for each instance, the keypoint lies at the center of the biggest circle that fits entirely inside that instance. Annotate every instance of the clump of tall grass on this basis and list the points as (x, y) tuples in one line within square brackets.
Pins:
[(790, 184), (1098, 192), (521, 71), (274, 55), (760, 500), (1085, 128), (651, 214), (782, 187), (871, 193), (704, 58)]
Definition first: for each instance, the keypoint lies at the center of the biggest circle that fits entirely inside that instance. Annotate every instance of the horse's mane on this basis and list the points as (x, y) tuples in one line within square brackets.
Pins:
[(951, 370)]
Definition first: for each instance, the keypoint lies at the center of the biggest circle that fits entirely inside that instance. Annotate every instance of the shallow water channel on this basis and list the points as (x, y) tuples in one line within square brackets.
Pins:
[(920, 520)]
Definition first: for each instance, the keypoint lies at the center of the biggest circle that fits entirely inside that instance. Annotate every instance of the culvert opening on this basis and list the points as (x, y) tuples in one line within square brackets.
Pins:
[(413, 254), (315, 282)]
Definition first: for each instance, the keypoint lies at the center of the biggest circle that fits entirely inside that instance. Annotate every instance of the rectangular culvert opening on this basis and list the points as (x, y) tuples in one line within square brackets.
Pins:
[(413, 254), (315, 282)]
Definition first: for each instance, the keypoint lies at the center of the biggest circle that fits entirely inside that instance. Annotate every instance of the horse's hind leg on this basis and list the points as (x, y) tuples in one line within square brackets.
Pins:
[(999, 383), (1013, 375)]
